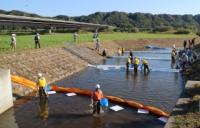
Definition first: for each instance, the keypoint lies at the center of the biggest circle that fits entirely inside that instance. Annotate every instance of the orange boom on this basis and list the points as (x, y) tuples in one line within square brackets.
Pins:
[(24, 82), (156, 111)]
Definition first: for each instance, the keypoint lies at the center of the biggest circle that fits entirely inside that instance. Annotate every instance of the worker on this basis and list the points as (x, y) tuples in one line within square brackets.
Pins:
[(119, 52), (37, 40), (136, 64), (41, 83), (123, 50), (193, 42), (128, 63), (97, 48), (13, 42), (184, 61), (97, 95), (146, 66), (131, 55), (185, 44), (173, 57), (75, 35), (104, 52)]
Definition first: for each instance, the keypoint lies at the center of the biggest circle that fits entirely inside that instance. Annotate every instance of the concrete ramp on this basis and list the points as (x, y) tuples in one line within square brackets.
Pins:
[(6, 99)]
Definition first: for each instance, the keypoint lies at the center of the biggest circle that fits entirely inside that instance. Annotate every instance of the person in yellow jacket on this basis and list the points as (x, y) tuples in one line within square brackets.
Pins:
[(123, 50), (119, 52), (128, 63), (145, 64), (41, 83), (136, 64)]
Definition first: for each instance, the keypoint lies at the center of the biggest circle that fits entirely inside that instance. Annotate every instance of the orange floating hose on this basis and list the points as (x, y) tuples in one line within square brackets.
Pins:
[(23, 81), (156, 111)]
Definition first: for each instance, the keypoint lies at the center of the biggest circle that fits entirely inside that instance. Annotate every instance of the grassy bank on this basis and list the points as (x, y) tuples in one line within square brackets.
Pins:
[(27, 41)]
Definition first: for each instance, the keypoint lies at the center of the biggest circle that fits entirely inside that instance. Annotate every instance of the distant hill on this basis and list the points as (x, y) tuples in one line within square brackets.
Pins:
[(18, 13), (130, 21)]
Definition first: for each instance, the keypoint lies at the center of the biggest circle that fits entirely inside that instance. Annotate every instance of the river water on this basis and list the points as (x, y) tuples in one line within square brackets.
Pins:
[(159, 88)]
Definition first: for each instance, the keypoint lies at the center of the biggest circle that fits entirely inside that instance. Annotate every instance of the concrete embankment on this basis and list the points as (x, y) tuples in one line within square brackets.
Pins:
[(186, 111), (59, 62)]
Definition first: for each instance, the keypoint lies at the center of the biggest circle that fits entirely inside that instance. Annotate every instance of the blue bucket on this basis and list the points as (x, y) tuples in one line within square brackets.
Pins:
[(104, 102), (48, 88)]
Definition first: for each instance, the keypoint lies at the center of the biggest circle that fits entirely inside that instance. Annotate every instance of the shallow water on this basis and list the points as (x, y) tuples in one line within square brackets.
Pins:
[(159, 89)]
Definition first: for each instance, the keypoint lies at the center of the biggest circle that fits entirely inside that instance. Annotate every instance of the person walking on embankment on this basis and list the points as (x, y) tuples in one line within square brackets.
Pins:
[(13, 42), (37, 40), (75, 35), (41, 83), (145, 64), (97, 48), (97, 95), (136, 64)]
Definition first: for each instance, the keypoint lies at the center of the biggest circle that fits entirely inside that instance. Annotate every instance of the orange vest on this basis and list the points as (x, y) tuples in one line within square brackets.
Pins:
[(97, 95)]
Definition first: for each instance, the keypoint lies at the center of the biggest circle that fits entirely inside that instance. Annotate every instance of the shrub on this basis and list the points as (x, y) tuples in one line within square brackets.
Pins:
[(182, 32)]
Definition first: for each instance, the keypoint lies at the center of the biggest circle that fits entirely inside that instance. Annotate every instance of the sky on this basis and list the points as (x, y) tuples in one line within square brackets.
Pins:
[(85, 7)]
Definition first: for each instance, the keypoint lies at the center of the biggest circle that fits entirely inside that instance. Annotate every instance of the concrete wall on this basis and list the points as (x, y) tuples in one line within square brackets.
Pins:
[(6, 100)]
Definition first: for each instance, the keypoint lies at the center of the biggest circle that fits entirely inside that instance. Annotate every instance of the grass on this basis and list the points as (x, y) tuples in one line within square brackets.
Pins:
[(27, 41), (189, 120)]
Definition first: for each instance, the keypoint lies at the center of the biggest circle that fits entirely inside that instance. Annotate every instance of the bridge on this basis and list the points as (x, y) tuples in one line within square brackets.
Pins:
[(37, 23)]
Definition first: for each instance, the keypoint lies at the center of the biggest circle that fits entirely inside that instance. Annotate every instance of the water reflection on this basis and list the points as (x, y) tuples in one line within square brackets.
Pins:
[(97, 122), (128, 75), (43, 109)]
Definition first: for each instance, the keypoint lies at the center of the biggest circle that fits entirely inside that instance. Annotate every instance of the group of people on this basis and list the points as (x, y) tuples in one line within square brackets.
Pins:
[(189, 43), (135, 62), (96, 96), (13, 42), (179, 59), (121, 51)]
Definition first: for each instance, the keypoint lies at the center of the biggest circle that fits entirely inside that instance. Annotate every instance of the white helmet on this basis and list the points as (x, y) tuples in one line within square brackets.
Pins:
[(40, 74), (97, 86), (13, 35)]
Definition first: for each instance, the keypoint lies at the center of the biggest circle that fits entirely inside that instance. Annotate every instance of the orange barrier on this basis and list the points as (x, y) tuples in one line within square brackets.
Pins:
[(156, 111), (23, 81), (134, 104), (74, 90), (115, 99), (129, 103)]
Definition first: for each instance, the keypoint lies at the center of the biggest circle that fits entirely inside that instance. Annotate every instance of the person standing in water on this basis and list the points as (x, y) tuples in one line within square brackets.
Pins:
[(97, 95), (41, 83), (136, 64), (146, 66)]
